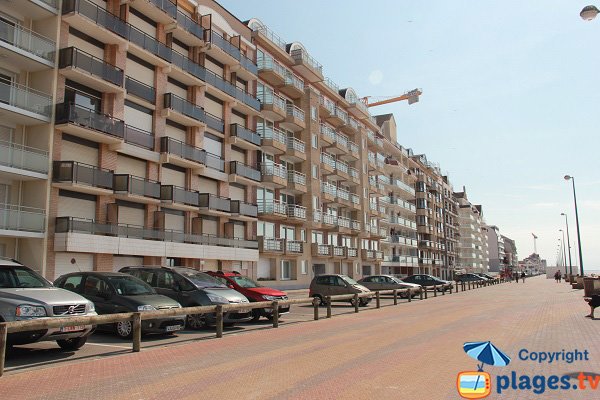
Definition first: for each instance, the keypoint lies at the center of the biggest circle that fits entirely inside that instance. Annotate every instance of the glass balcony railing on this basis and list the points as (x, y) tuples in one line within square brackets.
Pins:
[(25, 98), (328, 188), (300, 55), (148, 43), (272, 206), (268, 133), (124, 183), (342, 140), (329, 219), (82, 174), (215, 162), (75, 58), (343, 194), (87, 226), (238, 168), (317, 215), (341, 114), (179, 195), (242, 208), (21, 218), (353, 172), (183, 150), (332, 85), (214, 122), (229, 48), (328, 159), (139, 137), (182, 106), (269, 34), (296, 144), (168, 6), (90, 119), (215, 203), (353, 147), (272, 169), (344, 222), (189, 25), (244, 133), (97, 14), (292, 79), (23, 157), (27, 40), (272, 244), (354, 198), (267, 63), (327, 104), (341, 166), (267, 97), (140, 89)]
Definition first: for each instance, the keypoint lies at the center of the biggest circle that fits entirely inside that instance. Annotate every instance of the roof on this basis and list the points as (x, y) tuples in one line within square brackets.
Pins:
[(380, 119)]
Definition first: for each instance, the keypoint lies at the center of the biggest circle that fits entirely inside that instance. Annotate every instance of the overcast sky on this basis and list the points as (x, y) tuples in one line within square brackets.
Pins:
[(511, 91)]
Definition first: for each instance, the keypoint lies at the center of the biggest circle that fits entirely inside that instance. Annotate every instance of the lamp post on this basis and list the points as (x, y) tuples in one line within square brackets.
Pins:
[(564, 248), (588, 13), (572, 179), (568, 244)]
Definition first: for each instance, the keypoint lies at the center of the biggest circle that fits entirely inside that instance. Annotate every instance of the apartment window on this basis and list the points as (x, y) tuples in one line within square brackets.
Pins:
[(303, 267), (313, 113), (365, 168), (314, 141), (315, 171), (303, 235), (365, 193), (286, 270)]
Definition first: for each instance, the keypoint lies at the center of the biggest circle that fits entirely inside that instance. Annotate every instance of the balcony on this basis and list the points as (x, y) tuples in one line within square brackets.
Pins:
[(296, 182), (343, 196), (22, 105), (296, 149), (187, 30), (179, 153), (37, 9), (317, 216), (274, 175), (329, 192), (426, 261), (273, 140), (272, 209), (296, 213), (328, 163), (354, 176), (272, 105), (182, 111), (294, 247), (25, 49), (355, 200), (163, 11), (344, 224), (327, 134), (342, 169), (83, 235), (338, 118), (91, 71), (136, 189), (355, 225), (141, 91), (179, 198), (89, 124), (379, 255), (86, 16), (368, 255), (330, 221), (326, 106), (293, 85), (271, 245), (340, 146), (214, 205), (339, 252), (306, 65), (270, 71), (243, 174), (244, 211), (227, 53), (351, 253), (244, 138), (215, 162), (79, 177), (321, 250), (21, 221), (22, 162)]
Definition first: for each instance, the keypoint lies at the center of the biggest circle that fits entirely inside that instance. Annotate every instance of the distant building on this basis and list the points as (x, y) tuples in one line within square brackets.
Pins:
[(471, 245)]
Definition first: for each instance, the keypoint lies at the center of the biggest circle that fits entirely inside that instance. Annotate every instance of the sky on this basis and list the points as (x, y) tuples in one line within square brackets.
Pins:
[(511, 91)]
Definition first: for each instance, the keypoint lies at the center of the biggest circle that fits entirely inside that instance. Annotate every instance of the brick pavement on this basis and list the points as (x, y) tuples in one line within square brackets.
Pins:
[(408, 351)]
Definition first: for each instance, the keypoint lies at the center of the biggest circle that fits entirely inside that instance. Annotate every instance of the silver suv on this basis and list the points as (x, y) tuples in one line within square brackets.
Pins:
[(25, 295)]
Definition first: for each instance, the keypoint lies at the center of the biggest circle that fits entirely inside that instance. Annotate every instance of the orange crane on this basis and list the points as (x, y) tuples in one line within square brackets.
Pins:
[(412, 97)]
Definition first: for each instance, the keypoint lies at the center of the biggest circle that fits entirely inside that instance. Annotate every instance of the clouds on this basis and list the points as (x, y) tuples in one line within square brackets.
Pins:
[(376, 77)]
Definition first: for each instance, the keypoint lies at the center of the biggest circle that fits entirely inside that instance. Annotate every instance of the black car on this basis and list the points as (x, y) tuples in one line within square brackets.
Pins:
[(426, 281), (486, 276), (193, 288), (114, 292), (469, 278)]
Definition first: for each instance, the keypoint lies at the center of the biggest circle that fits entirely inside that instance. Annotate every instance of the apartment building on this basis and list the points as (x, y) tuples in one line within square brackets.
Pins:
[(471, 244), (400, 245), (510, 251), (451, 229), (28, 36), (497, 257)]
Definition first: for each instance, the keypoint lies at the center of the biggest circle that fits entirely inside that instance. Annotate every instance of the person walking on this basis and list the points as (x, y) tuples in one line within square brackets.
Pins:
[(557, 276), (516, 276), (594, 302), (523, 274)]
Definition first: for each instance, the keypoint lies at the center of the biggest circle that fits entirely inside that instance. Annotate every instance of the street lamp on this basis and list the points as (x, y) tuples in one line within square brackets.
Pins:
[(588, 13), (572, 179), (564, 250), (568, 244)]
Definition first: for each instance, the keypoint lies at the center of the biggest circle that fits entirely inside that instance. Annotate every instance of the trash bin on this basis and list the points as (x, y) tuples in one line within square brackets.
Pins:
[(578, 283), (591, 286)]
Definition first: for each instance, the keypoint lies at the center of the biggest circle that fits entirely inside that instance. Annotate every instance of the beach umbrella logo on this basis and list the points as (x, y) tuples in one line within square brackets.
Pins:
[(478, 384)]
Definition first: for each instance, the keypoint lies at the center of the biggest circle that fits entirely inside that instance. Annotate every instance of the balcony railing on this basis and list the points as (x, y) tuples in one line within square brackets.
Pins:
[(329, 188), (272, 207), (342, 140), (214, 202), (238, 168), (269, 98), (355, 225), (341, 166), (327, 104), (297, 177), (303, 56), (244, 133), (269, 133), (179, 195), (183, 150), (243, 208), (97, 14), (332, 85), (341, 114), (87, 226), (296, 144), (323, 250), (75, 58), (215, 162), (329, 219), (20, 218), (328, 159), (339, 251), (272, 169), (344, 222), (184, 107), (189, 25), (139, 137), (27, 40), (168, 6), (124, 183), (295, 211), (294, 246), (269, 64), (352, 252), (293, 111), (272, 244), (25, 98), (90, 119), (328, 132), (353, 172), (317, 215), (140, 89), (343, 194), (82, 174), (233, 51), (292, 79), (23, 157), (353, 147)]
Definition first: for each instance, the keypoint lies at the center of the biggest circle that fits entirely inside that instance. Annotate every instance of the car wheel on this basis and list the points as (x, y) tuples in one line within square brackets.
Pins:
[(255, 315), (364, 302), (72, 344), (196, 321), (353, 303), (228, 324), (124, 329), (322, 302)]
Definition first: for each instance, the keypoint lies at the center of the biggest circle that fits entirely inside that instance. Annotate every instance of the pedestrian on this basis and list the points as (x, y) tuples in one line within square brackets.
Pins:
[(557, 276), (516, 276), (594, 302), (523, 274)]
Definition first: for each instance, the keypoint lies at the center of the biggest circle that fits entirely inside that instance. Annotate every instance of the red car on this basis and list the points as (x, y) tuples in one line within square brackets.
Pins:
[(253, 291)]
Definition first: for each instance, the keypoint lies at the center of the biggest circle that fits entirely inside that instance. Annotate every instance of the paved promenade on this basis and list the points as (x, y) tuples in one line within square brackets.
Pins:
[(410, 351)]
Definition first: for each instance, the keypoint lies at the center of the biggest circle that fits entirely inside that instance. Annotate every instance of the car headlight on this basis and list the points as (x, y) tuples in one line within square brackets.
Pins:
[(25, 310), (217, 299), (91, 307), (146, 307), (267, 297)]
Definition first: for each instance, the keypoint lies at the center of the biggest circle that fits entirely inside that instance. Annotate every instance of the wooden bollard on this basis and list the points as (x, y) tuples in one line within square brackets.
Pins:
[(3, 338), (356, 301), (409, 293), (395, 297), (275, 314), (328, 300), (137, 331), (421, 294), (316, 302), (450, 289), (219, 321), (377, 300), (434, 290), (443, 291), (426, 293), (469, 285)]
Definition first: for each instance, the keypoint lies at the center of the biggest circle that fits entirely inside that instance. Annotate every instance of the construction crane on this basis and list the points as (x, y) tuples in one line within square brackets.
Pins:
[(412, 97)]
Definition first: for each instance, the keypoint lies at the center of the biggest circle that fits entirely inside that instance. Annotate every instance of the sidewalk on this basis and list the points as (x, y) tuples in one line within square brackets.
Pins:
[(411, 351)]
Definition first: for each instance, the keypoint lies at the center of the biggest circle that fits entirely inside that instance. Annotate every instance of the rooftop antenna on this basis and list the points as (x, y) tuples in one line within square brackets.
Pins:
[(534, 243)]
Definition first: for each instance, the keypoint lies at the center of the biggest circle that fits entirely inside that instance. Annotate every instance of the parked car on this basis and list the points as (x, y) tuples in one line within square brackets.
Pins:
[(26, 295), (114, 292), (389, 282), (193, 288), (427, 280), (253, 291), (335, 284), (487, 276), (469, 277)]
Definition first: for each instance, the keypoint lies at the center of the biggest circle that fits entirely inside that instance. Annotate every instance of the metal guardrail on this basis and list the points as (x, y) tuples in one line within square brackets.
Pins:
[(218, 310)]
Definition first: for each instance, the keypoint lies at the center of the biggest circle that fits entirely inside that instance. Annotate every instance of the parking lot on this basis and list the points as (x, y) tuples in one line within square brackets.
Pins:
[(105, 344)]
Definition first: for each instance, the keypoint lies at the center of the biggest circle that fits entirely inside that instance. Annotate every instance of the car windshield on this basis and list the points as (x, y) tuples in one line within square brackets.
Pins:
[(349, 280), (244, 282), (130, 286), (201, 280), (397, 280), (21, 278)]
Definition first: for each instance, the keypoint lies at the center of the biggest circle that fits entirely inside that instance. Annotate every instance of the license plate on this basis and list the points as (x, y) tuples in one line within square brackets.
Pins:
[(72, 328), (243, 310), (173, 328)]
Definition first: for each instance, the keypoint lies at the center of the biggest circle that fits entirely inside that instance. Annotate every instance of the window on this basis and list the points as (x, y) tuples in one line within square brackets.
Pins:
[(303, 267), (314, 141), (286, 270), (315, 171), (73, 283), (313, 113)]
